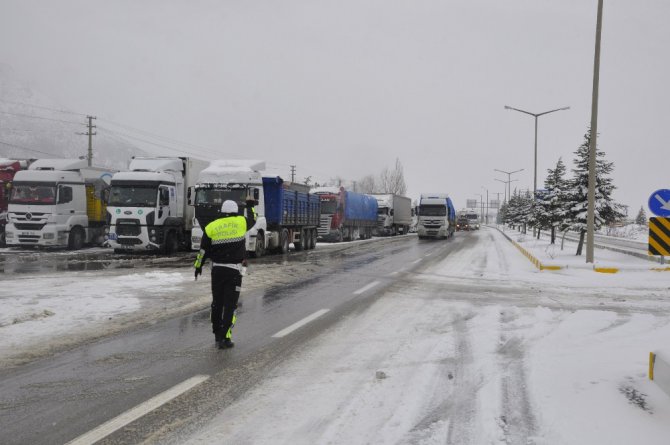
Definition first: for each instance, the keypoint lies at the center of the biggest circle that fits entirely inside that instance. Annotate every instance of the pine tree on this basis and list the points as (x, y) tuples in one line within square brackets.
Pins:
[(526, 210), (512, 209), (641, 218), (606, 210), (550, 208), (502, 212)]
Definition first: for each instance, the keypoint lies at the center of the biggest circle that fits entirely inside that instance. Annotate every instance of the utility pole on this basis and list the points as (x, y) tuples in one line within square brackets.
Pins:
[(591, 195), (293, 173), (90, 135)]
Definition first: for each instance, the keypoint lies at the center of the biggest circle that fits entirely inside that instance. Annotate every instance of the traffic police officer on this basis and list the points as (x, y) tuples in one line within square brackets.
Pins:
[(224, 243)]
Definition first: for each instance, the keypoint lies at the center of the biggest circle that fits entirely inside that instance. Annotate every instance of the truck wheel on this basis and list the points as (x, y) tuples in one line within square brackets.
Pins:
[(283, 241), (3, 240), (314, 236), (171, 244), (76, 239), (260, 245)]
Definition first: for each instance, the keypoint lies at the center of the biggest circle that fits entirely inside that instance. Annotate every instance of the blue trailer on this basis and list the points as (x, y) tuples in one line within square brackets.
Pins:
[(292, 213), (345, 215)]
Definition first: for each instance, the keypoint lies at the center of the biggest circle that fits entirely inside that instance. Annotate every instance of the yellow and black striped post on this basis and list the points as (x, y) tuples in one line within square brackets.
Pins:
[(659, 236)]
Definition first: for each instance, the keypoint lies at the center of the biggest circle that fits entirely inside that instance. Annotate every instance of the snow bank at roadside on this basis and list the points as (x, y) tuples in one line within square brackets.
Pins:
[(44, 310)]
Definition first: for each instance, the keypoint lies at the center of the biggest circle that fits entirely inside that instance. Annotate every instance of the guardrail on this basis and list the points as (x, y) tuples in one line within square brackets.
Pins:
[(629, 247)]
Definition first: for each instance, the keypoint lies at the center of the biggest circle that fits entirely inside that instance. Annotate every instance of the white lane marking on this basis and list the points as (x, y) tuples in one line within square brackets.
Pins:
[(416, 261), (300, 323), (366, 287), (133, 414), (428, 254), (393, 273)]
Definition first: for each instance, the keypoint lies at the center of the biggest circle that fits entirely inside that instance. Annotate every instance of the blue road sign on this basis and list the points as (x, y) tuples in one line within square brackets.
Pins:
[(659, 202)]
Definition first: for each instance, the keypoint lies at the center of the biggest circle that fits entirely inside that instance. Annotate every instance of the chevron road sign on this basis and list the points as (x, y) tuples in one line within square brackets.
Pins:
[(659, 236)]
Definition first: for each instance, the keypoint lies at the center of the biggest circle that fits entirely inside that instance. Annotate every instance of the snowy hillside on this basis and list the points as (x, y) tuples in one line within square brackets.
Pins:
[(30, 127)]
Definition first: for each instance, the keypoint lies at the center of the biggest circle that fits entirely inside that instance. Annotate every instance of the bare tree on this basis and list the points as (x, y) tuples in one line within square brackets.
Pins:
[(367, 184), (393, 181)]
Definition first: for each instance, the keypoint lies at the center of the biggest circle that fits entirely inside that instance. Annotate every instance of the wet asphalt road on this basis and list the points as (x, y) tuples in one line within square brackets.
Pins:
[(59, 398)]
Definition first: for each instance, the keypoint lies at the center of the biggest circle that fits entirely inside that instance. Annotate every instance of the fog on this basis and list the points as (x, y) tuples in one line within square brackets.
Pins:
[(342, 88)]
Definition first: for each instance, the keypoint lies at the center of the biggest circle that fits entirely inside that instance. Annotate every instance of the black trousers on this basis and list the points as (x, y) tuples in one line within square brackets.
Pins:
[(226, 286)]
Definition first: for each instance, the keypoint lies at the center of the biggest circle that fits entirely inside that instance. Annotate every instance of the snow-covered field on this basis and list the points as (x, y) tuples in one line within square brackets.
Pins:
[(479, 348)]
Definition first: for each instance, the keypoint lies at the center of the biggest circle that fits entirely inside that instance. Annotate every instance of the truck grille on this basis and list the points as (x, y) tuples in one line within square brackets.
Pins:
[(31, 218), (128, 227), (324, 226), (29, 226), (34, 239)]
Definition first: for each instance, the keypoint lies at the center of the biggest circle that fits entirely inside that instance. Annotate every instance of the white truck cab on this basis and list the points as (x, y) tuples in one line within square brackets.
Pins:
[(147, 204), (235, 180), (58, 203), (436, 216)]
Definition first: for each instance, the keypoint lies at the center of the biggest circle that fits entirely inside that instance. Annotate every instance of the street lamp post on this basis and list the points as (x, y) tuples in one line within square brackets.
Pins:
[(487, 204), (509, 176), (535, 115), (481, 207)]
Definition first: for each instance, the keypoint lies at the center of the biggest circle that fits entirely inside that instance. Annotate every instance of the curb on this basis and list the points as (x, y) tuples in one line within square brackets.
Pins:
[(529, 255), (608, 270)]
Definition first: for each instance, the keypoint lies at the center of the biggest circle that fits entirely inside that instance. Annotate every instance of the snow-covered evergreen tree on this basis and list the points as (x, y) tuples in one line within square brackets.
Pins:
[(526, 210), (512, 209), (641, 217), (606, 210), (550, 208), (518, 210), (502, 212)]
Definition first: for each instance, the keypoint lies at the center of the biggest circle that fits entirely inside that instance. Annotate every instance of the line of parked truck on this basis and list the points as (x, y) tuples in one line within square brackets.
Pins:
[(162, 203)]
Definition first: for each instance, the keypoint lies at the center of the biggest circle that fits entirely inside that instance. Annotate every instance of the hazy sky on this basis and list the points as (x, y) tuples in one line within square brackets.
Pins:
[(343, 87)]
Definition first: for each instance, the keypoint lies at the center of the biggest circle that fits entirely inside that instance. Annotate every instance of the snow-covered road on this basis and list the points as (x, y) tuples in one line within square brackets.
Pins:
[(477, 348), (466, 345)]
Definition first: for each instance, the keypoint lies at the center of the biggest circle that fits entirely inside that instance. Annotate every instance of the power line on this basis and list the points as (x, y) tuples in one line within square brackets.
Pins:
[(32, 116), (157, 136), (26, 148), (125, 135), (42, 107)]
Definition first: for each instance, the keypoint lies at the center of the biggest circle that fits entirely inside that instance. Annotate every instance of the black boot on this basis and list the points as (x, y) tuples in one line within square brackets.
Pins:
[(218, 336), (226, 343)]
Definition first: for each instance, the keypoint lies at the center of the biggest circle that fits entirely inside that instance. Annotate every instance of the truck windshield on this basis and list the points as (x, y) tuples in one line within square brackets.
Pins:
[(133, 196), (33, 194), (434, 210), (382, 211), (216, 197), (328, 207), (472, 216)]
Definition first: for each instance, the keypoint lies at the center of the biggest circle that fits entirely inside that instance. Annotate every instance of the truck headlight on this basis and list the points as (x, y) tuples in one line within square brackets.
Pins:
[(9, 234), (49, 236)]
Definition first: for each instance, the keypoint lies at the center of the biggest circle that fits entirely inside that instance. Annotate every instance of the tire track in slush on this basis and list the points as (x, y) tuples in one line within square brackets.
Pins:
[(517, 420), (457, 409)]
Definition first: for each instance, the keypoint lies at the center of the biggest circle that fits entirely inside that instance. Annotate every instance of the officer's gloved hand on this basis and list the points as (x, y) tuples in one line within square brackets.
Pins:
[(244, 262), (198, 271)]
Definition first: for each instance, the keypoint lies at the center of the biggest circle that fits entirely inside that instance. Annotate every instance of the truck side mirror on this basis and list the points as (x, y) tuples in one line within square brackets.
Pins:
[(190, 195), (256, 194), (391, 212)]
